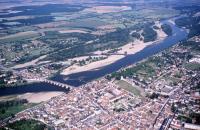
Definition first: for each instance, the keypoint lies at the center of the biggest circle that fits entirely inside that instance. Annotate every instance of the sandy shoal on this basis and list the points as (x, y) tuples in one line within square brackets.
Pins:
[(130, 48), (39, 97), (33, 62)]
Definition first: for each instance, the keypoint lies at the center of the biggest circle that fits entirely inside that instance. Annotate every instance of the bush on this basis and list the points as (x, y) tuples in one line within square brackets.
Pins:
[(167, 29), (149, 34)]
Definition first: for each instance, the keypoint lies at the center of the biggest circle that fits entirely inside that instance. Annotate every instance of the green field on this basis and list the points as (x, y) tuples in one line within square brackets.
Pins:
[(192, 66), (109, 30), (20, 36), (128, 87), (11, 110)]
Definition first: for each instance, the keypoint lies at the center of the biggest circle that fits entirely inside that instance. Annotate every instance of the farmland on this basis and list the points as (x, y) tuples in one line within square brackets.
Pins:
[(20, 36), (64, 32)]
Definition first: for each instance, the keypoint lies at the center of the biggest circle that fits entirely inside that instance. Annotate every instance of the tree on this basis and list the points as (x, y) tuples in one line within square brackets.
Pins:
[(167, 29), (173, 108), (3, 111)]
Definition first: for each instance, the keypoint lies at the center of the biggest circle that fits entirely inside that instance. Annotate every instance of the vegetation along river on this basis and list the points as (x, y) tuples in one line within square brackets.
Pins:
[(78, 79)]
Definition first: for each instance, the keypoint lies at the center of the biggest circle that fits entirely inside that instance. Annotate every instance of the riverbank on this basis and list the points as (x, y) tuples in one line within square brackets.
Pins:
[(39, 97), (14, 85), (98, 64), (32, 97), (27, 64), (82, 77), (129, 49)]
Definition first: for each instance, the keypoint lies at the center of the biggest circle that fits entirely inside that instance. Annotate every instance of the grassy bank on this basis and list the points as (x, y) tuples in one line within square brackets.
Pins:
[(128, 87)]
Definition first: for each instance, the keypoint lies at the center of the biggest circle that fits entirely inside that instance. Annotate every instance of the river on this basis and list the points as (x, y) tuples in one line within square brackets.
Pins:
[(83, 77), (78, 79)]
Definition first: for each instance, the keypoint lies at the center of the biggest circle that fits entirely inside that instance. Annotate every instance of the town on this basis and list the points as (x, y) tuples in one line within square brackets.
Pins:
[(100, 65), (170, 100)]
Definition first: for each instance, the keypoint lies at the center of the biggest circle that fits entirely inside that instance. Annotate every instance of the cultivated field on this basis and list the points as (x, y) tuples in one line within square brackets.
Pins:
[(20, 36)]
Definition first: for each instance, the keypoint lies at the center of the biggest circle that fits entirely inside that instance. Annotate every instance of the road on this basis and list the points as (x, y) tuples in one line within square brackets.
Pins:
[(161, 110)]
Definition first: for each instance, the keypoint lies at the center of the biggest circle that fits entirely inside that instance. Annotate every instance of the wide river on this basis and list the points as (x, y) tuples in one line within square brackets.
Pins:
[(78, 79)]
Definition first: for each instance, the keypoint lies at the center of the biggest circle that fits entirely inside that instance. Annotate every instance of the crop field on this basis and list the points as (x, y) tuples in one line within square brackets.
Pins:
[(20, 36), (108, 9), (64, 30), (72, 31), (87, 23), (193, 66)]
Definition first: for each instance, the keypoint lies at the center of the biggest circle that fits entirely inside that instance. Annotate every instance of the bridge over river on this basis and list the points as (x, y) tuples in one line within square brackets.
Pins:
[(66, 86)]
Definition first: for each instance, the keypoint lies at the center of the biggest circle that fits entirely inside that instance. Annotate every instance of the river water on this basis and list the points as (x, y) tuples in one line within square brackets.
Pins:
[(84, 77), (78, 79)]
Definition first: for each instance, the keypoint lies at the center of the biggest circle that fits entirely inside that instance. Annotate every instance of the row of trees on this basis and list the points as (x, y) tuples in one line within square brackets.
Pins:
[(12, 103)]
